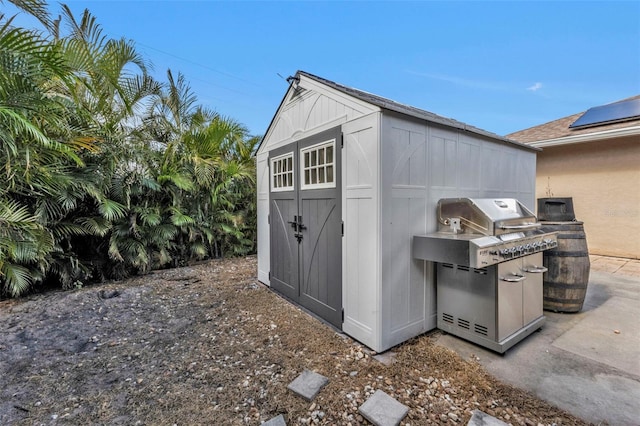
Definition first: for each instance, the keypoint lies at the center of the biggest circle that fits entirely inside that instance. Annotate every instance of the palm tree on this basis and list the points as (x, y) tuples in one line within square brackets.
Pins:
[(105, 171), (61, 101), (37, 147)]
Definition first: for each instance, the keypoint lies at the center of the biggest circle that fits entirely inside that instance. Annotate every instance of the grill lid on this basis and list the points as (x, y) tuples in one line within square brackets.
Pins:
[(487, 216)]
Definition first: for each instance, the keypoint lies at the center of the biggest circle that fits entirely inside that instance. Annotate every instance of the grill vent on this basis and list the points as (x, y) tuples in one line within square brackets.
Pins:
[(447, 318), (462, 323), (447, 265), (463, 268), (481, 329), (482, 271)]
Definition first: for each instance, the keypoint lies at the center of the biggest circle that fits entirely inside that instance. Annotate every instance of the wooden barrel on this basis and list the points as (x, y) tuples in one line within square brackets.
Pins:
[(565, 282)]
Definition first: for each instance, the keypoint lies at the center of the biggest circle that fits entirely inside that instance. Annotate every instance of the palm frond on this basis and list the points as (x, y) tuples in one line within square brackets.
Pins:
[(97, 225), (111, 210), (17, 278)]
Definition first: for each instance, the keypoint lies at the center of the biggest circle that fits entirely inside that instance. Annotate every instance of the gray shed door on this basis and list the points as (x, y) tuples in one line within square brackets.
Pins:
[(306, 225)]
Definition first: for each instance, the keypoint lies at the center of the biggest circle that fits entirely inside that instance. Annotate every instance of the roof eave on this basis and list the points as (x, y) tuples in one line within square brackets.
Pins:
[(587, 137), (397, 107)]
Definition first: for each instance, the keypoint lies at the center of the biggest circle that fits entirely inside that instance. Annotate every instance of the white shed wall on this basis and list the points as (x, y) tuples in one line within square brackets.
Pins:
[(262, 177), (360, 245), (408, 290), (420, 164)]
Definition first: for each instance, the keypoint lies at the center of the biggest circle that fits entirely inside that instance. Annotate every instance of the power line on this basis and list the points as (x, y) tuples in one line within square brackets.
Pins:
[(198, 64)]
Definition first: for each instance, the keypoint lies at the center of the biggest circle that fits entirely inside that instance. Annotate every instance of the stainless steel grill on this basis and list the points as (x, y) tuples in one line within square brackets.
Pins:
[(489, 269), (481, 232)]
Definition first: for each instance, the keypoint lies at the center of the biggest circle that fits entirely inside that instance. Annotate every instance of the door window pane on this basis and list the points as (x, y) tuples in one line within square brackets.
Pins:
[(317, 166), (282, 172)]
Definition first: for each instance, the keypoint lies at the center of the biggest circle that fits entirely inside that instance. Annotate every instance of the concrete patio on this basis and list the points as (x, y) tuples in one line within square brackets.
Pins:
[(586, 363)]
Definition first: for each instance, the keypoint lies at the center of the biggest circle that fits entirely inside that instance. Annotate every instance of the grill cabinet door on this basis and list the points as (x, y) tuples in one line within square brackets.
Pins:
[(510, 283), (532, 287)]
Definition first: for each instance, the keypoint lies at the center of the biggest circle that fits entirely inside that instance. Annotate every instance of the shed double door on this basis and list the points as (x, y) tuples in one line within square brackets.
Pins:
[(306, 224)]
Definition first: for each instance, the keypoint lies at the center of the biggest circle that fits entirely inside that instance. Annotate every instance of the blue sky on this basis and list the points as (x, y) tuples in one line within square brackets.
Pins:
[(501, 66)]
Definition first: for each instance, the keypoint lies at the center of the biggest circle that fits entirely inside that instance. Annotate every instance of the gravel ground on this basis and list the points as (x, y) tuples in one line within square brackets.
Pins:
[(207, 344)]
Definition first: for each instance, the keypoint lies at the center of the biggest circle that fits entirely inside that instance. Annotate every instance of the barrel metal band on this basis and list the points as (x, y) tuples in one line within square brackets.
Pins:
[(564, 301), (572, 237), (565, 286), (554, 253)]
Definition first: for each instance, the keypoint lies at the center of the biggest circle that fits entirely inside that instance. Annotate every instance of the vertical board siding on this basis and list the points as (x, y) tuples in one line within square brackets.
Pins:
[(262, 171), (443, 158), (309, 110), (492, 162), (470, 175), (361, 298), (404, 180)]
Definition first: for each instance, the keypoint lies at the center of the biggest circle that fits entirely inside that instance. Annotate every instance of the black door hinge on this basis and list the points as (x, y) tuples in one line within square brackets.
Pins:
[(269, 275), (342, 140), (342, 315), (342, 228)]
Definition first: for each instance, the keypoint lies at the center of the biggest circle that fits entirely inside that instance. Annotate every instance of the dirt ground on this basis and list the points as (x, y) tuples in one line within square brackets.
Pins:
[(208, 344)]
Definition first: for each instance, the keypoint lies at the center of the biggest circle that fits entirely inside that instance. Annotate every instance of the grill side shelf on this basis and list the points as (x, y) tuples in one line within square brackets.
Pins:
[(435, 248)]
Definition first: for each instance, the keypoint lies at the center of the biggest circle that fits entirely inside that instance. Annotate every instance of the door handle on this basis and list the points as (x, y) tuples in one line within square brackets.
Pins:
[(513, 278), (535, 269), (294, 224)]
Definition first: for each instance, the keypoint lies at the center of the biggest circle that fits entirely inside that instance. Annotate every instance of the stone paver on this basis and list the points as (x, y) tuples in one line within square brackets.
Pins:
[(479, 418), (615, 265), (276, 421), (387, 358), (382, 410), (308, 384)]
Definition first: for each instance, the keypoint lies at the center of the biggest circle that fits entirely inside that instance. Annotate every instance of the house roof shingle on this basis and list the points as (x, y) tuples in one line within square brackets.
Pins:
[(560, 128)]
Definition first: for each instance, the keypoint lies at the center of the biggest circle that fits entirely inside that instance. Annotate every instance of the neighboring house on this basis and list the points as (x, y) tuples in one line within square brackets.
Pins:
[(594, 157)]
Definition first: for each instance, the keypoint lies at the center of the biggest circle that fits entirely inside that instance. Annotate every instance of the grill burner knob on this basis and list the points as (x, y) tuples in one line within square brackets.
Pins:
[(550, 243)]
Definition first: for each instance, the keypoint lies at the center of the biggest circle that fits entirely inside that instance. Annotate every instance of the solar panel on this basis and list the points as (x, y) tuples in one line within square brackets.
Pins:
[(611, 113)]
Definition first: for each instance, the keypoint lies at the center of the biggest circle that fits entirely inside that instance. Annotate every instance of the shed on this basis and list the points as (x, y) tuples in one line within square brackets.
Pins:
[(345, 179)]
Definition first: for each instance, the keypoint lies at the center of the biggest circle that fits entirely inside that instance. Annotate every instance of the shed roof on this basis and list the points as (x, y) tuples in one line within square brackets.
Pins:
[(559, 128), (390, 105)]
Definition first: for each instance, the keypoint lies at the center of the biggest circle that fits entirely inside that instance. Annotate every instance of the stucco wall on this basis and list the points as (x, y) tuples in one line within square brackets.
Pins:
[(603, 178)]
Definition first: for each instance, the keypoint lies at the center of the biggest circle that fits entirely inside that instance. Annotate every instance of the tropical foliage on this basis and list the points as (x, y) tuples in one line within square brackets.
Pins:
[(105, 171)]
